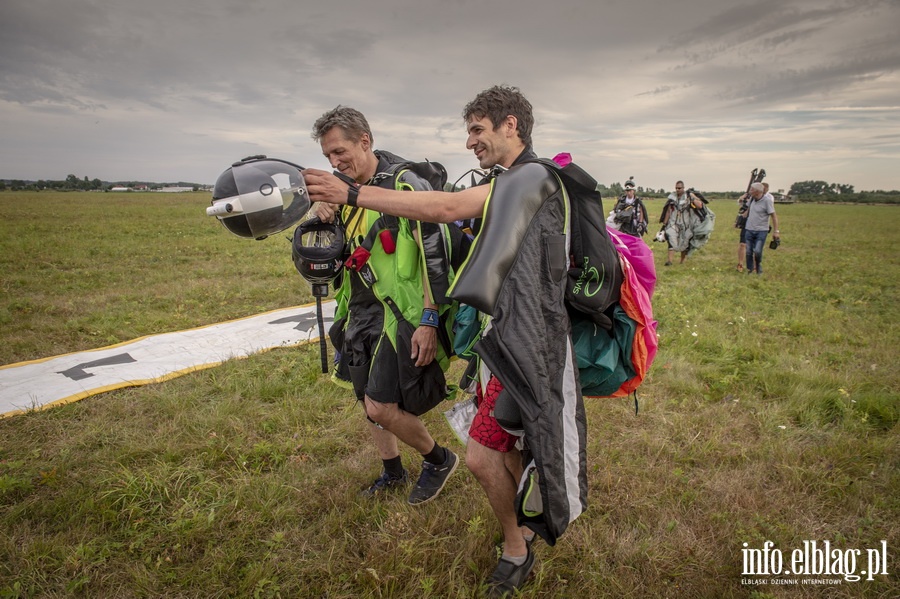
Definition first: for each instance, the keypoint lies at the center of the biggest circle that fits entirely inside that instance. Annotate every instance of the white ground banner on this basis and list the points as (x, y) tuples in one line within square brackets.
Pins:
[(61, 379)]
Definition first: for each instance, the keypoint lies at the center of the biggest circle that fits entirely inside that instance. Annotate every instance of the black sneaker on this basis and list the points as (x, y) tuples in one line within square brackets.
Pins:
[(385, 483), (433, 479), (507, 577)]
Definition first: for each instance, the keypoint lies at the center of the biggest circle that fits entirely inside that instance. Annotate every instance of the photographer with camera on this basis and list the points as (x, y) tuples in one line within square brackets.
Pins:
[(759, 210)]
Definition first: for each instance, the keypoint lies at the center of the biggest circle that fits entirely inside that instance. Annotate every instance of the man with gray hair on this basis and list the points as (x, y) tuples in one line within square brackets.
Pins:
[(387, 326), (760, 208)]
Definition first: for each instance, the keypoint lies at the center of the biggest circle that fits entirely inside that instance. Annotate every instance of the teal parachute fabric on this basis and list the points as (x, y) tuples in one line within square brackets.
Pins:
[(604, 361)]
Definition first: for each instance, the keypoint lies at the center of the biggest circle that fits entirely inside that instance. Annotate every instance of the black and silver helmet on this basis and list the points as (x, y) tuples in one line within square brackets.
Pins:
[(258, 196), (318, 250)]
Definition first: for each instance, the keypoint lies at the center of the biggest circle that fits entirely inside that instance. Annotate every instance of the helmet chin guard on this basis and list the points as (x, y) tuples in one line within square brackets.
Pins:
[(258, 196)]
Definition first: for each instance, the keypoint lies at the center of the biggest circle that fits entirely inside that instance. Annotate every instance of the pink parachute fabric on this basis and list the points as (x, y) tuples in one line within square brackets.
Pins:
[(562, 159), (636, 293), (639, 255)]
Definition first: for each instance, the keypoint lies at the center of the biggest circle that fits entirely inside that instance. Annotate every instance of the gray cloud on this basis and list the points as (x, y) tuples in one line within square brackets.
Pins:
[(702, 89)]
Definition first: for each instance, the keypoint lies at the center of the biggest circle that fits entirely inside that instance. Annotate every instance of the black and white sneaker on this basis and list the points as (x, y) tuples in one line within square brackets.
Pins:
[(385, 483), (433, 479)]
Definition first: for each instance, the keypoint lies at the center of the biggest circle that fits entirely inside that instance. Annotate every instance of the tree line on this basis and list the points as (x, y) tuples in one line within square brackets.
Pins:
[(801, 190), (822, 191), (73, 183), (819, 188)]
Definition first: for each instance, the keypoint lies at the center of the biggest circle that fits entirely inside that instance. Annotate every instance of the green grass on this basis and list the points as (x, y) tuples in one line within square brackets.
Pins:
[(771, 413), (82, 270)]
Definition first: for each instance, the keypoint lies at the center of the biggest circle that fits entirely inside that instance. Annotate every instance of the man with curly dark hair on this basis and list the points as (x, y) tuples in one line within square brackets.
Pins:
[(515, 276)]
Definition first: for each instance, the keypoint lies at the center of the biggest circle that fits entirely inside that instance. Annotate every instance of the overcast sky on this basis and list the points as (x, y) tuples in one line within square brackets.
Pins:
[(700, 90)]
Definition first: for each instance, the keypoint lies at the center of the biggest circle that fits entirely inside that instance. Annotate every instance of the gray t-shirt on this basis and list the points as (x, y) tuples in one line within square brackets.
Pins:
[(758, 213)]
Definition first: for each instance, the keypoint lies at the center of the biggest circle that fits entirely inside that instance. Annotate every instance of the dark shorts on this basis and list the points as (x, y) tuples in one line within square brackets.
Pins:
[(743, 235), (371, 357), (385, 373), (485, 429)]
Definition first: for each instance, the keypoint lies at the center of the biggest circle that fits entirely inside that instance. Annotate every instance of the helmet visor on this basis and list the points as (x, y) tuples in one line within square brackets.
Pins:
[(258, 198)]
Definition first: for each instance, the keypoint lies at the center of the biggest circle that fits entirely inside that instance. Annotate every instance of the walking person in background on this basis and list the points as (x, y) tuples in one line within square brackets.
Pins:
[(687, 222), (760, 209), (740, 223), (630, 214)]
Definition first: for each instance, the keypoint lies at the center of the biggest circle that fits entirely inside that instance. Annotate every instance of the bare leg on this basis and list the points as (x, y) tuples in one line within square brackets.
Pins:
[(494, 471), (400, 424), (385, 442)]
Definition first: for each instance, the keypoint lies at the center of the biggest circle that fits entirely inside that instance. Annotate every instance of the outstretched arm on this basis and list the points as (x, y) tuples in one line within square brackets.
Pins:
[(429, 206)]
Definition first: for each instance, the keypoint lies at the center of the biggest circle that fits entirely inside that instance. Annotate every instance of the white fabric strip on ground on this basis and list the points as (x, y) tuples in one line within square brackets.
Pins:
[(61, 379)]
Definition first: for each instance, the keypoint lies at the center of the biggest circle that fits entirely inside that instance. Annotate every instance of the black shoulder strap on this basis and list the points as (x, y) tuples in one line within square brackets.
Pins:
[(392, 172), (571, 174), (353, 216), (433, 172)]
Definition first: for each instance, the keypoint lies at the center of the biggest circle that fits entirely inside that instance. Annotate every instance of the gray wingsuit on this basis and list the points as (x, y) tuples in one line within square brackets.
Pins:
[(516, 273)]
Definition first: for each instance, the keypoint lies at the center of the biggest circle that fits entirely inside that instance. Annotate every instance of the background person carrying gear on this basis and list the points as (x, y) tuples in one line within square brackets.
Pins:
[(740, 221), (629, 213), (687, 222), (391, 320), (760, 210)]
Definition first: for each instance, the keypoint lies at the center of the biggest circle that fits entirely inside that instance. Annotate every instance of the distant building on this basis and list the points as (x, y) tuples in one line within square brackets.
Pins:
[(781, 198), (175, 189), (119, 188)]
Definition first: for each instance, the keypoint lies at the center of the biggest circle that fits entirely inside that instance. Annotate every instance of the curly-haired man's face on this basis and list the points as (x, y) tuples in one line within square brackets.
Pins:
[(493, 146)]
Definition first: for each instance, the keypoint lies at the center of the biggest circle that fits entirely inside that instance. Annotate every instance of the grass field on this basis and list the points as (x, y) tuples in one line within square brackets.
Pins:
[(770, 414)]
